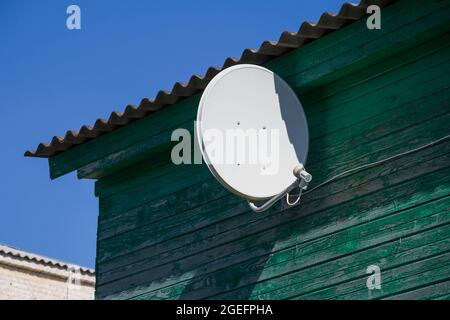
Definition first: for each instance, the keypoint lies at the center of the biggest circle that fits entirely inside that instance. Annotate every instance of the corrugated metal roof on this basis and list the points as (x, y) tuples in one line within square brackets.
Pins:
[(16, 253), (267, 51)]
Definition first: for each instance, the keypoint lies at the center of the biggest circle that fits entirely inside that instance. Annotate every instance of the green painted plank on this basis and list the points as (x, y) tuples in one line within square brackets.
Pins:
[(119, 202), (391, 254), (349, 241), (239, 278), (138, 178), (426, 48), (374, 70), (141, 151), (100, 167), (377, 127), (364, 107), (176, 203), (402, 28), (119, 139), (151, 169), (147, 234), (74, 158), (102, 290), (185, 176), (175, 210), (161, 143), (395, 142), (240, 221), (294, 226), (443, 297), (374, 92), (408, 277), (358, 131), (329, 163), (379, 149), (126, 217), (427, 293), (356, 34), (431, 81), (337, 43), (405, 277), (383, 125)]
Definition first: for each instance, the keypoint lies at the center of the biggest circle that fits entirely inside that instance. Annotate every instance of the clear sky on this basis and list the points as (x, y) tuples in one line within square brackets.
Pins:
[(53, 79)]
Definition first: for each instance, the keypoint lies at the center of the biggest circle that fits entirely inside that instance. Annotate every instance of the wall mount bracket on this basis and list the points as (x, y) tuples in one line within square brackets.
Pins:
[(302, 181)]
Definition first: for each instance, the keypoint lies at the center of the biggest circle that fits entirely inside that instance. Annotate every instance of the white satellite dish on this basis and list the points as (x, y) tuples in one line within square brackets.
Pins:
[(243, 101)]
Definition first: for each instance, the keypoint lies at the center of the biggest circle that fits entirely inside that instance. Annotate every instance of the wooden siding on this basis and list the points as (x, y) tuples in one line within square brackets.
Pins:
[(172, 232)]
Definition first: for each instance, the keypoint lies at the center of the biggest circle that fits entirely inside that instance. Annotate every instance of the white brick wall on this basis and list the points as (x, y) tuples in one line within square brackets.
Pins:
[(22, 278)]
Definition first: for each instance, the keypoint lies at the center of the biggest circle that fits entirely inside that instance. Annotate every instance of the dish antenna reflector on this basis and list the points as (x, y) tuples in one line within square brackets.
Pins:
[(247, 101)]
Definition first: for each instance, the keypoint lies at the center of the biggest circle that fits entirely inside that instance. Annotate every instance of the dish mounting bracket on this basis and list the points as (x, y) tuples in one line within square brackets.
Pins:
[(301, 183)]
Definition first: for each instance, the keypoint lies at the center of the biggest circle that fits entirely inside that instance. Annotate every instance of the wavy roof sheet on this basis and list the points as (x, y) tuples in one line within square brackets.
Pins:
[(19, 254), (267, 51)]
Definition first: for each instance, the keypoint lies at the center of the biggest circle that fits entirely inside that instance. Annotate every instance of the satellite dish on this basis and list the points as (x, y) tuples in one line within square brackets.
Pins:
[(247, 101)]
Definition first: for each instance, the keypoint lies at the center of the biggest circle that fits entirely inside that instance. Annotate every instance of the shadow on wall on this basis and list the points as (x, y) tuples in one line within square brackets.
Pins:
[(233, 268), (321, 248)]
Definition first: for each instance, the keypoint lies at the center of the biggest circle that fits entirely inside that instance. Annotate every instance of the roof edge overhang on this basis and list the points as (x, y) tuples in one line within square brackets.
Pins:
[(267, 51)]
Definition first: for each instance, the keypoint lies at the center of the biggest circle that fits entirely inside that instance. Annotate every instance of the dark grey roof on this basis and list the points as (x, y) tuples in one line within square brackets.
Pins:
[(23, 255), (267, 51)]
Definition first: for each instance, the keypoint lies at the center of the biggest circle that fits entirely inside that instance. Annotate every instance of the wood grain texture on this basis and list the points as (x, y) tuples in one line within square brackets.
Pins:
[(173, 232), (310, 67)]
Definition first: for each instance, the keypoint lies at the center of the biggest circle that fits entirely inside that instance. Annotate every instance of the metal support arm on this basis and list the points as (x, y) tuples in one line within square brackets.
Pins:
[(303, 178)]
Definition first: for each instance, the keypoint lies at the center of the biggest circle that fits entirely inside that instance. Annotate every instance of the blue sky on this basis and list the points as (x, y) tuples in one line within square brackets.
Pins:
[(53, 79)]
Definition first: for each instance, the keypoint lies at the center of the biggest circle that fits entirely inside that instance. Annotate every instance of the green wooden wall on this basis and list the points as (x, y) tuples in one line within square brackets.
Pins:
[(172, 232)]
